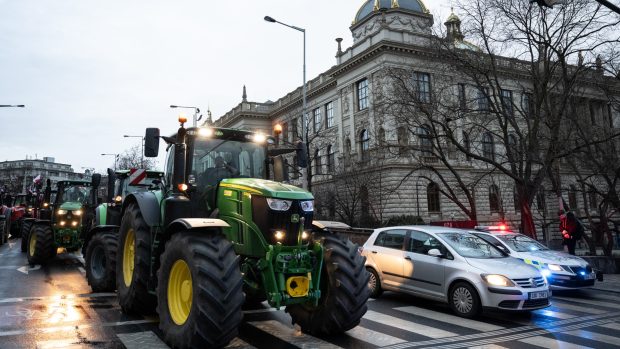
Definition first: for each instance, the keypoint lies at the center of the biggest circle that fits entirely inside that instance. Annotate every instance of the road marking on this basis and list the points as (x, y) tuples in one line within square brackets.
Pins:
[(141, 340), (26, 269), (238, 343), (408, 326), (488, 346), (554, 314), (373, 337), (612, 326), (451, 319), (551, 343), (594, 336), (578, 308), (60, 344), (76, 327), (65, 296), (590, 302), (292, 335)]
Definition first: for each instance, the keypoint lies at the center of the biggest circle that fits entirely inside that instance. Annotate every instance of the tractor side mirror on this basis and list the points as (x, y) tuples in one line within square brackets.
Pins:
[(110, 188), (96, 180), (302, 155), (151, 142)]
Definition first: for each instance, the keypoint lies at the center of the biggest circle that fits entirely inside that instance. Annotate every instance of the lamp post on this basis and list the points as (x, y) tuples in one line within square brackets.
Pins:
[(304, 136), (196, 112), (115, 158), (142, 153)]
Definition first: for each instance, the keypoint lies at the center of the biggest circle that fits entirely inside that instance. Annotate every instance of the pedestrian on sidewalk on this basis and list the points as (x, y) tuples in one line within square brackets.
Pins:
[(572, 230)]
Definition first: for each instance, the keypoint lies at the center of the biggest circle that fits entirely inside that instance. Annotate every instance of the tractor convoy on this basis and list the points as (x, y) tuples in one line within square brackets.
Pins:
[(198, 241)]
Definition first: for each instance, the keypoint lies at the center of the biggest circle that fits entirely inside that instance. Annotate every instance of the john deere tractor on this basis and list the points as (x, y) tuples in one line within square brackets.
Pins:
[(218, 233), (101, 242), (71, 216)]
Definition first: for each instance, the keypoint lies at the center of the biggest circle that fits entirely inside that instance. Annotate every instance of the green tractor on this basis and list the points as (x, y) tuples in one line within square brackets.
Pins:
[(217, 233), (101, 242), (70, 216)]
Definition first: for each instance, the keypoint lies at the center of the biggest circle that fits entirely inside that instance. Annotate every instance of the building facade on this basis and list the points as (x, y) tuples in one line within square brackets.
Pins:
[(353, 136), (18, 175)]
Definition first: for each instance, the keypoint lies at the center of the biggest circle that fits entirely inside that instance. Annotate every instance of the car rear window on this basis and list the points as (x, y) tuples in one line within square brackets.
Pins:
[(391, 239)]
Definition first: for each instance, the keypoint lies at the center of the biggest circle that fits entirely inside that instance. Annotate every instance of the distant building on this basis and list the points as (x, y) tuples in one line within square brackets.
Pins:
[(17, 175)]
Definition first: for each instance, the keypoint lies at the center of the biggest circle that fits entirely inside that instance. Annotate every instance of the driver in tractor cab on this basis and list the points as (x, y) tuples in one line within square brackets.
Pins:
[(222, 170), (75, 194)]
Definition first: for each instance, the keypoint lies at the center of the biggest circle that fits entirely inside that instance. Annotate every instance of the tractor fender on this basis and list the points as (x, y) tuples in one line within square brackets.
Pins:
[(148, 204), (328, 225), (96, 230), (195, 223)]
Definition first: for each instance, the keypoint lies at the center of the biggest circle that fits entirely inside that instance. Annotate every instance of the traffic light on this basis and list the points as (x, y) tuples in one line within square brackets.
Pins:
[(548, 3)]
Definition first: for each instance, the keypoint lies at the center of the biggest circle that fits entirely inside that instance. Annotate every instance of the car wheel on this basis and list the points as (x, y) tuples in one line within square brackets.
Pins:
[(464, 300), (374, 284)]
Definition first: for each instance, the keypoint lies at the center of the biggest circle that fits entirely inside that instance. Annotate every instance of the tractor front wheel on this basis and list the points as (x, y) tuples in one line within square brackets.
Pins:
[(25, 234), (134, 263), (100, 261), (344, 290), (199, 291), (41, 246)]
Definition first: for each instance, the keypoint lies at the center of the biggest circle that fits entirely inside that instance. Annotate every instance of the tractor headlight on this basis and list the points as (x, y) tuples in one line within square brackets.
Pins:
[(45, 204), (307, 206), (77, 213), (497, 280), (279, 235), (61, 212), (305, 235), (278, 204), (74, 224), (62, 223), (554, 267)]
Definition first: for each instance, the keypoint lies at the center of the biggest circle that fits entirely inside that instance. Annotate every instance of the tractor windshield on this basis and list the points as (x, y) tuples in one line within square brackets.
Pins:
[(217, 159), (76, 193)]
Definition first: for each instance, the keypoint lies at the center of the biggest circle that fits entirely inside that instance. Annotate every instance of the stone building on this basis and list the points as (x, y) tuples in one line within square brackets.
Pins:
[(348, 131), (17, 175)]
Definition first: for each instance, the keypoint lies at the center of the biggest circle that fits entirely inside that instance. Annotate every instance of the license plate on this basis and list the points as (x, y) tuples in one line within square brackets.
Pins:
[(590, 276), (539, 295)]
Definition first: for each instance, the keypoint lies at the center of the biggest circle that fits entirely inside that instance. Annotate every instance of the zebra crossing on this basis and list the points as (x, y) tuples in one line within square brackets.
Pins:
[(571, 322)]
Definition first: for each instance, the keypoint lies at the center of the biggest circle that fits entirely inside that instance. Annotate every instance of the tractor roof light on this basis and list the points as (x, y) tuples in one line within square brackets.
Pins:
[(205, 132), (260, 138), (182, 119)]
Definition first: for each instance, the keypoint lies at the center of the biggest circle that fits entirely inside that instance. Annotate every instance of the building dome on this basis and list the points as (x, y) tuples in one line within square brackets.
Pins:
[(371, 6)]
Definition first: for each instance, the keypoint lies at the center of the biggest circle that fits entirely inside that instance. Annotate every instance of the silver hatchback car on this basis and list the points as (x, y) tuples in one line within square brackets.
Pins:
[(453, 266)]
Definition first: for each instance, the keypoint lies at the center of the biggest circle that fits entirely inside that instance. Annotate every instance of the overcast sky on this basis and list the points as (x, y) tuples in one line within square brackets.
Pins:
[(90, 71)]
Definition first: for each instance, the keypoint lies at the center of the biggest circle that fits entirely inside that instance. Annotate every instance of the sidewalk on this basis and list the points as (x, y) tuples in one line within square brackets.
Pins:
[(611, 283)]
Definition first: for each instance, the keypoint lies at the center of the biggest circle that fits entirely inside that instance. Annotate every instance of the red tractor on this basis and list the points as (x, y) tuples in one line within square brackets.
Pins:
[(12, 213)]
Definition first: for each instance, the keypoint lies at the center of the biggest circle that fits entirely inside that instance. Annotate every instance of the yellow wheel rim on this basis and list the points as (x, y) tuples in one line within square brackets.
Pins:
[(180, 292), (33, 244), (129, 255)]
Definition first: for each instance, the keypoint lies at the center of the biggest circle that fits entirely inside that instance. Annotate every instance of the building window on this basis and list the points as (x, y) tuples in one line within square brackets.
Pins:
[(422, 87), (513, 147), (527, 105), (364, 144), (294, 130), (540, 199), (331, 157), (362, 94), (466, 145), (494, 198), (329, 114), (426, 144), (483, 99), (318, 166), (572, 198), (317, 119), (506, 96), (285, 132), (403, 140), (432, 197), (488, 146)]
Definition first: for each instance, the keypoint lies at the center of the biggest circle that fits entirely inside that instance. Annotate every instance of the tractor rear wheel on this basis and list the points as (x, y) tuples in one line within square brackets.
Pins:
[(344, 290), (199, 291), (25, 234), (134, 263), (100, 258), (41, 246)]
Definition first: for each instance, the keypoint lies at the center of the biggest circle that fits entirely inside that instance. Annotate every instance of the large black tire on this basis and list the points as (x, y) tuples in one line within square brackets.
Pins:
[(41, 246), (464, 300), (132, 286), (25, 235), (344, 290), (211, 316), (100, 261)]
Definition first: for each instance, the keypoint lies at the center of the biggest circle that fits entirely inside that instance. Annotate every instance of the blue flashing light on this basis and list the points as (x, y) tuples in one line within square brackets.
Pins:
[(582, 273)]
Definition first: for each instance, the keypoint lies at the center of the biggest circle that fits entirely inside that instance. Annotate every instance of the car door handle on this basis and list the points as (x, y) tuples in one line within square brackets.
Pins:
[(408, 258)]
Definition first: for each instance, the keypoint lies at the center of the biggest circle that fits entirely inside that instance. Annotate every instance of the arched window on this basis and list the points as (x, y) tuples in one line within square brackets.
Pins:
[(364, 144), (494, 198), (540, 199), (403, 140), (488, 146), (318, 166), (381, 136), (432, 197), (572, 197), (331, 159), (426, 144)]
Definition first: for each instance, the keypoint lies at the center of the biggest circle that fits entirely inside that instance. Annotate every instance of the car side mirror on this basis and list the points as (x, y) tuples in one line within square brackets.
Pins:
[(435, 253)]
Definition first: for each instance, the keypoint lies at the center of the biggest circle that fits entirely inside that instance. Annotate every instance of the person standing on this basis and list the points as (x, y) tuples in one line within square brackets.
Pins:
[(572, 230)]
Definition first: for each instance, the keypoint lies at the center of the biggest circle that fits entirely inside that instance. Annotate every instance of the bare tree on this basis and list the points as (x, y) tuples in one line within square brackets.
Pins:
[(132, 158)]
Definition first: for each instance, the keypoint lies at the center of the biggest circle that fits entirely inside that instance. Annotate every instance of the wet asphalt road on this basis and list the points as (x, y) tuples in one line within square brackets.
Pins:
[(52, 307)]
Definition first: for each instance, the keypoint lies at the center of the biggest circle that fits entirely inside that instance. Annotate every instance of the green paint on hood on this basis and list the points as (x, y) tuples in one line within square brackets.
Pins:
[(71, 205), (269, 188)]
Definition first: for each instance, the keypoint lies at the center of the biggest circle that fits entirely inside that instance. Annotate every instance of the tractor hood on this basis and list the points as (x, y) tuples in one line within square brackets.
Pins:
[(71, 205), (267, 188)]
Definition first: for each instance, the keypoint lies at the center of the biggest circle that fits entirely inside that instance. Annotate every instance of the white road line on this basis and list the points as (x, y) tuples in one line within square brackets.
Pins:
[(141, 340), (551, 343), (373, 337), (75, 327), (594, 336), (488, 346), (590, 302), (238, 343), (65, 296), (451, 319), (408, 326), (291, 335), (612, 326), (578, 308), (554, 314)]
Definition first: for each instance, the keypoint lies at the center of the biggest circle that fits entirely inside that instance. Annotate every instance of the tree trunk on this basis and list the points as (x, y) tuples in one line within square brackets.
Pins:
[(527, 220)]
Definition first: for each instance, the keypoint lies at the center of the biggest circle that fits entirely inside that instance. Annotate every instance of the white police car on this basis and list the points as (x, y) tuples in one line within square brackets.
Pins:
[(562, 270)]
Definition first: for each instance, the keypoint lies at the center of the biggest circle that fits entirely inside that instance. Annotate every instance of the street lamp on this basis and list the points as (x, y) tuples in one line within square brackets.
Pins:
[(115, 158), (196, 112), (304, 171), (12, 106), (141, 143)]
